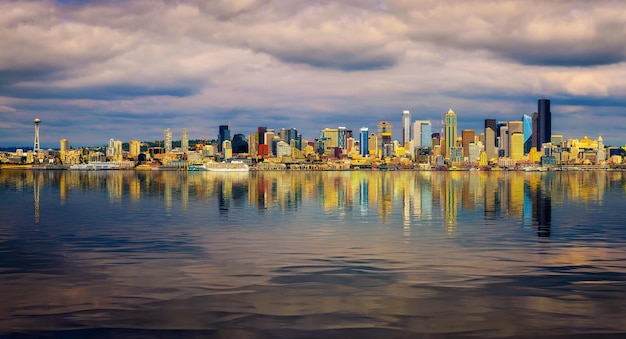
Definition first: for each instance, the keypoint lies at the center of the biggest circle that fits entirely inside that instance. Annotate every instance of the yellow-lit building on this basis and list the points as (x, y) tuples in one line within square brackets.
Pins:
[(134, 148), (517, 146)]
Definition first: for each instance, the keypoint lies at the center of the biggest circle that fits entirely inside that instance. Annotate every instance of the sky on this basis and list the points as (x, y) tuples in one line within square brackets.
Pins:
[(96, 70)]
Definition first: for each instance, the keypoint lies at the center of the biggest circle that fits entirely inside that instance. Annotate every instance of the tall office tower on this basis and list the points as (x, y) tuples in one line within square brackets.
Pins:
[(372, 145), (527, 121), (406, 127), (467, 137), (363, 139), (422, 133), (134, 148), (110, 148), (282, 134), (117, 153), (224, 134), (450, 132), (168, 140), (516, 126), (341, 138), (535, 134), (544, 125), (253, 145), (36, 146), (384, 133), (490, 138), (269, 141), (184, 140), (239, 144), (516, 145), (292, 134), (227, 149), (504, 140)]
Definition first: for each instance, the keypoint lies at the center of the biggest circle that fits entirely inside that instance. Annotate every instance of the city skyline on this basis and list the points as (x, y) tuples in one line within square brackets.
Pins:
[(92, 71)]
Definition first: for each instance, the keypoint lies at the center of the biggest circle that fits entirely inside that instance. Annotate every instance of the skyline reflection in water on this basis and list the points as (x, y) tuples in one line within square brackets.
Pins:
[(312, 253)]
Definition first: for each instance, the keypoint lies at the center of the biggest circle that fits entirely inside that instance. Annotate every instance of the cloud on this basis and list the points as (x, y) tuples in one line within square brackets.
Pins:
[(303, 64), (555, 33)]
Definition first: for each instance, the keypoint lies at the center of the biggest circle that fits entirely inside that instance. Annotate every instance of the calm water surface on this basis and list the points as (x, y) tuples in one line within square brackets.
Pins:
[(312, 254)]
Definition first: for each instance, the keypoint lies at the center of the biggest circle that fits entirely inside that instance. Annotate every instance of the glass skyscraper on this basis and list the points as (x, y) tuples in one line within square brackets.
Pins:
[(363, 141), (544, 123), (527, 121)]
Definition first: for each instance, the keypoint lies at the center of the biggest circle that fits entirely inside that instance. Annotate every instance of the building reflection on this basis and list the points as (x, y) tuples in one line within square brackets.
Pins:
[(408, 199), (542, 208)]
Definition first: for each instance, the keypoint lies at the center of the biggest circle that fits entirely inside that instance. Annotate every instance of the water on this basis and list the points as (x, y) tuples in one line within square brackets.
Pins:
[(312, 254)]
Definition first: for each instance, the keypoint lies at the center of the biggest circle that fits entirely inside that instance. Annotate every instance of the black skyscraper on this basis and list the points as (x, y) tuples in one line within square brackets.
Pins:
[(223, 136), (544, 123)]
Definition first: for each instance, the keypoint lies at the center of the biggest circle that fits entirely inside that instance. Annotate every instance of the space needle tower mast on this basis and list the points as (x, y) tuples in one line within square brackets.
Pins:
[(36, 146)]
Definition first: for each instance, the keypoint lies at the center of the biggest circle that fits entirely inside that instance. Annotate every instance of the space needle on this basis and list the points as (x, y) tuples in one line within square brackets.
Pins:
[(36, 146)]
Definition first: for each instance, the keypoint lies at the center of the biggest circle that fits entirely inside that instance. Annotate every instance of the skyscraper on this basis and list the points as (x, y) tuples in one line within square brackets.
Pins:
[(341, 138), (450, 132), (184, 140), (224, 134), (168, 140), (384, 133), (467, 137), (490, 138), (535, 127), (527, 121), (515, 127), (406, 127), (422, 132), (544, 123), (363, 139)]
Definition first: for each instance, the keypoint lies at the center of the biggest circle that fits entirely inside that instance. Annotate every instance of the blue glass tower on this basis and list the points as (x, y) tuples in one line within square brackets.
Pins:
[(363, 141), (527, 121)]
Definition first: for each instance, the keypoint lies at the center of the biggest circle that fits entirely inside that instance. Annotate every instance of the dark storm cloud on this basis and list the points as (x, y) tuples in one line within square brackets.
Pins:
[(109, 93)]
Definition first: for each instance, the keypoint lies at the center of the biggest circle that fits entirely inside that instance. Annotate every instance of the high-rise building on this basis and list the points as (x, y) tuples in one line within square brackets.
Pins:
[(134, 148), (117, 153), (372, 144), (224, 134), (516, 145), (168, 140), (450, 132), (269, 141), (467, 137), (504, 140), (184, 140), (36, 146), (515, 127), (422, 132), (227, 149), (341, 138), (535, 126), (385, 130), (293, 135), (63, 145), (363, 141), (527, 121), (406, 127), (239, 144), (544, 123), (490, 139)]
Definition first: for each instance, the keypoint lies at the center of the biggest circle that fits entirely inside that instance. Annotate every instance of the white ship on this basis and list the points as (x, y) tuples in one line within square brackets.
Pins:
[(234, 166)]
